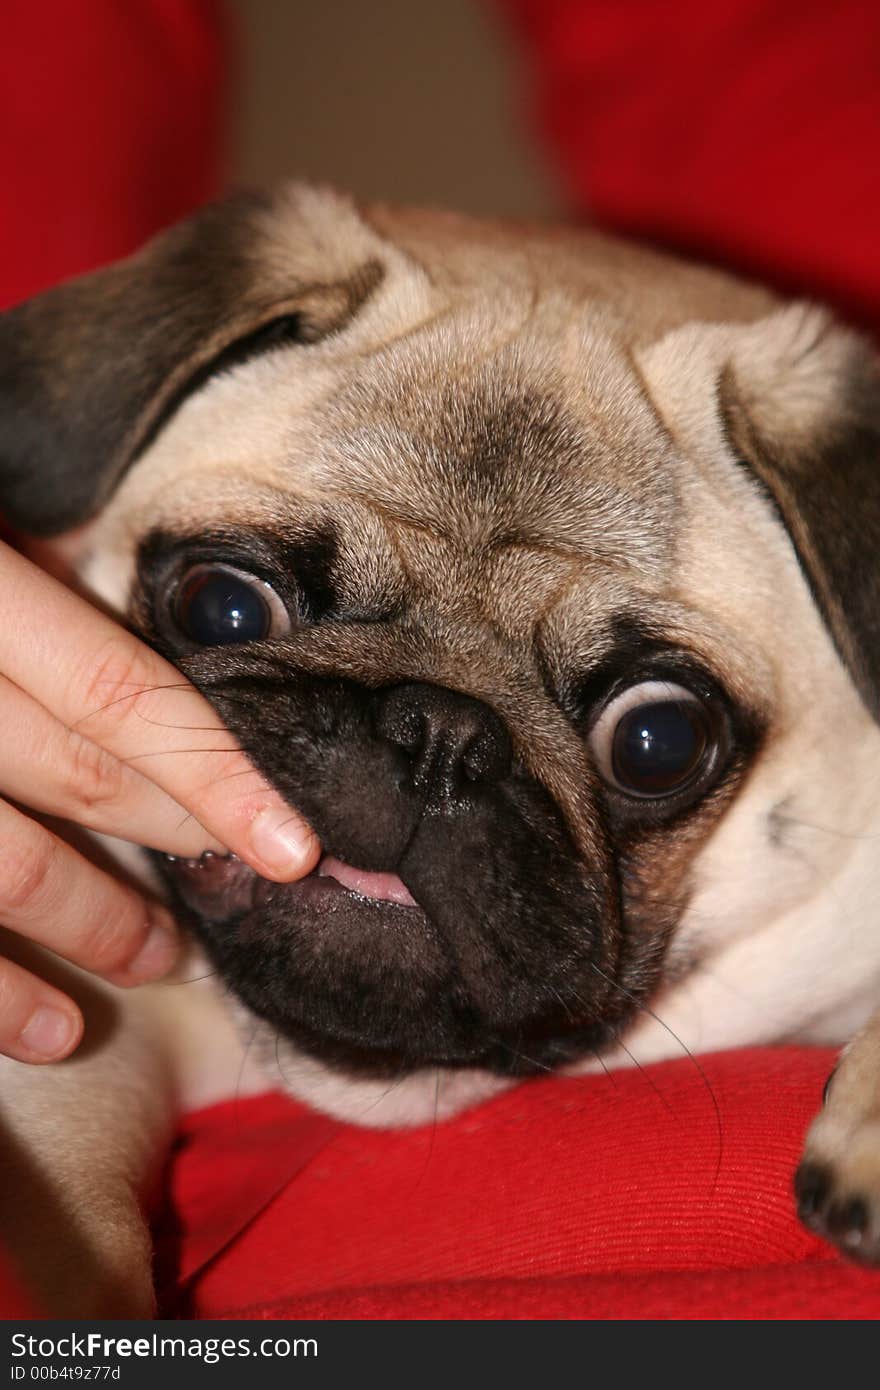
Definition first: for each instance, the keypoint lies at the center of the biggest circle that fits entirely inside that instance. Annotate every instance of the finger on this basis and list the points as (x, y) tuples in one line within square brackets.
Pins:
[(98, 679), (37, 1023), (54, 896), (59, 772)]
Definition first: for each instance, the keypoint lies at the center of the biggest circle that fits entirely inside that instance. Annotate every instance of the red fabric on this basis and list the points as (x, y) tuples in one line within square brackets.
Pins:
[(113, 120), (744, 130), (623, 1197)]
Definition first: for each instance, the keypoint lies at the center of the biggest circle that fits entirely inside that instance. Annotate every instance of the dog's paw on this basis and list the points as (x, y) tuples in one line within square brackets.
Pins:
[(837, 1188)]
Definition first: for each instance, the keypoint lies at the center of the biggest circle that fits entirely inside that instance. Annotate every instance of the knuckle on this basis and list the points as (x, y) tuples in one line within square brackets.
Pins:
[(92, 778), (25, 871), (113, 937), (113, 678)]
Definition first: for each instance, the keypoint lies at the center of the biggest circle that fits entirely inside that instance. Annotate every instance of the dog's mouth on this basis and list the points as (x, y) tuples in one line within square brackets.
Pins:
[(221, 887), (454, 953)]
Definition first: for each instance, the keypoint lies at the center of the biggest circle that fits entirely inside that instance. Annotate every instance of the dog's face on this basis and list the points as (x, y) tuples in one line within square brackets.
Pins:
[(480, 541)]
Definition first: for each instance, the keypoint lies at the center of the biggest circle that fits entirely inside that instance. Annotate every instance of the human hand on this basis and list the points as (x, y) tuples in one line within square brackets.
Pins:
[(97, 729)]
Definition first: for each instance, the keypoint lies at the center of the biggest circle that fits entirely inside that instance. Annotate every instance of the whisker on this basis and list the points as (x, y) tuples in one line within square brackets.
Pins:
[(133, 695), (237, 1098), (239, 772), (383, 1095), (278, 1065), (636, 1063), (171, 752), (227, 777), (523, 1057), (295, 816), (169, 984), (605, 1067), (430, 1153), (184, 728), (646, 1074), (719, 1125), (562, 1001)]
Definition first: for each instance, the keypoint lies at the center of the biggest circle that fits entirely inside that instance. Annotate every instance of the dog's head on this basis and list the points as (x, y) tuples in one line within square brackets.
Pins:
[(515, 558)]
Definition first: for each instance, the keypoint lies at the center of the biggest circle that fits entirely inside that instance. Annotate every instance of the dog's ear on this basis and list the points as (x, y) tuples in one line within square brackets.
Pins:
[(800, 404), (91, 369)]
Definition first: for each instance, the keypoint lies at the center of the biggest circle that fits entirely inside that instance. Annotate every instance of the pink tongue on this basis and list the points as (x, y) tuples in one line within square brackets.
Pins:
[(386, 887)]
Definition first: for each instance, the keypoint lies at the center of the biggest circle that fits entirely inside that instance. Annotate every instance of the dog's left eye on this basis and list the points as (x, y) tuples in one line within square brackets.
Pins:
[(216, 605), (656, 739)]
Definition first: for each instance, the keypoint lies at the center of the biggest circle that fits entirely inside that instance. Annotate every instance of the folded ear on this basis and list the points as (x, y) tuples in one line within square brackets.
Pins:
[(801, 408), (90, 370)]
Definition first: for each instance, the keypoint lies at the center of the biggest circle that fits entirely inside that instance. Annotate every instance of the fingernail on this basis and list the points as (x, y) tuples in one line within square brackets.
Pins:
[(159, 951), (49, 1032), (284, 842)]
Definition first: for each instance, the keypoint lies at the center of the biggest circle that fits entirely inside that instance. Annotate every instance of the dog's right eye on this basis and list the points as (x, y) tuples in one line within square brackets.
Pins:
[(657, 739), (216, 605)]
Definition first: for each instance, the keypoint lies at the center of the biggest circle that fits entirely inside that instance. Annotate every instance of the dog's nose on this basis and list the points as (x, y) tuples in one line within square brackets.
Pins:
[(451, 740)]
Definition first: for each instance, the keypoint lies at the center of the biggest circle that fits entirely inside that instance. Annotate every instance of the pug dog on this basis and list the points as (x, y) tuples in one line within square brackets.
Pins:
[(540, 571)]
